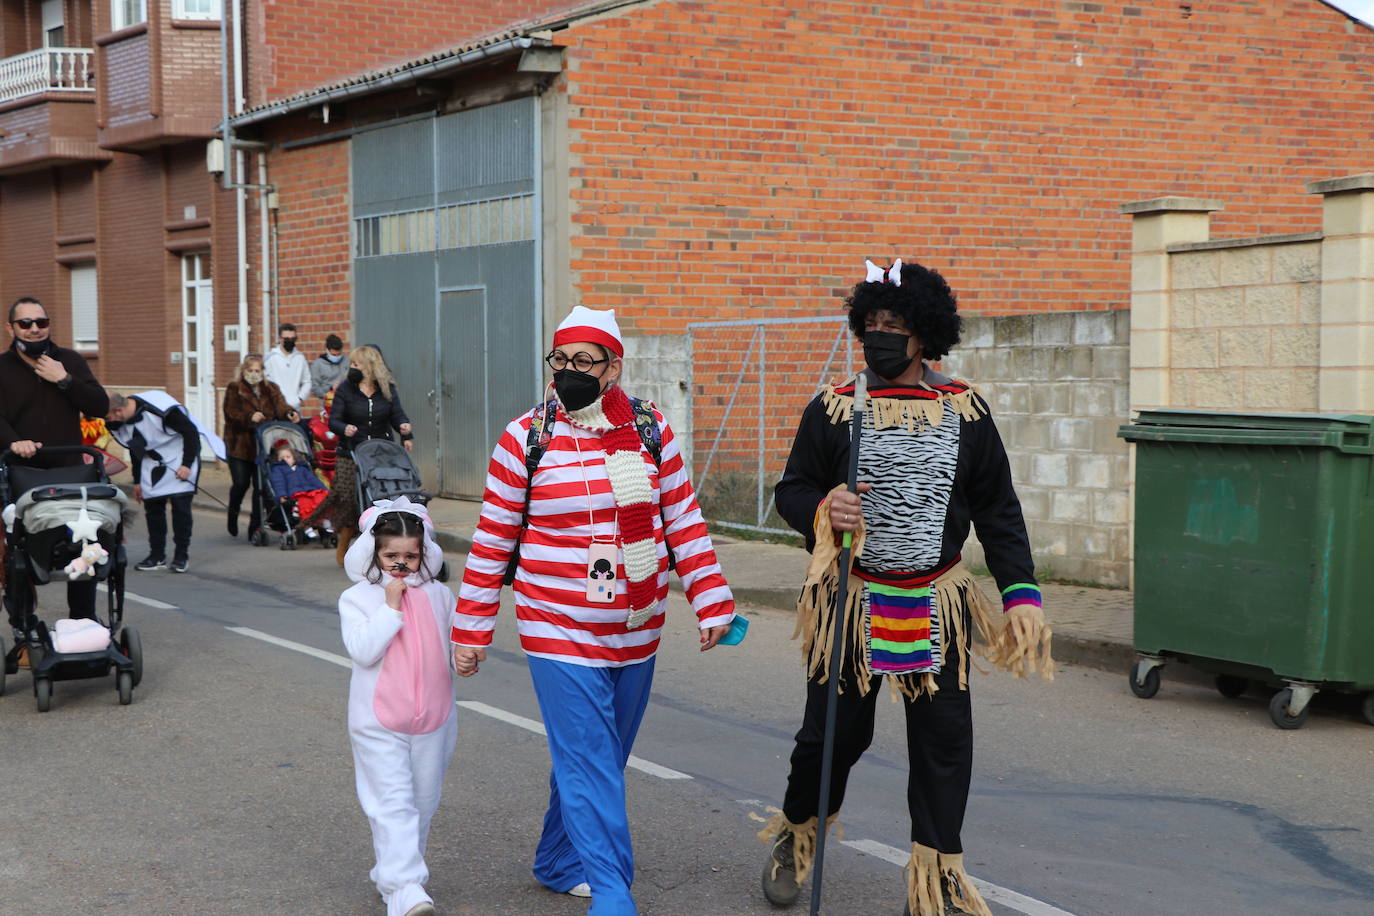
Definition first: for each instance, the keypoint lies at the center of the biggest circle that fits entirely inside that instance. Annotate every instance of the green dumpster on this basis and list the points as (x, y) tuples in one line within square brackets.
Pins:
[(1254, 549)]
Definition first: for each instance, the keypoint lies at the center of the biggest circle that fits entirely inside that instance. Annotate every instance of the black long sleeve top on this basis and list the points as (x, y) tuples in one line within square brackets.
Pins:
[(982, 495)]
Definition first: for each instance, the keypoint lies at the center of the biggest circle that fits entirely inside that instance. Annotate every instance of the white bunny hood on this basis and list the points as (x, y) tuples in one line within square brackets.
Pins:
[(360, 552)]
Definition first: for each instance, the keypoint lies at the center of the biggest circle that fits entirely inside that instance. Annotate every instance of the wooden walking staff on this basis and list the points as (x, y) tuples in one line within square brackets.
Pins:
[(832, 696)]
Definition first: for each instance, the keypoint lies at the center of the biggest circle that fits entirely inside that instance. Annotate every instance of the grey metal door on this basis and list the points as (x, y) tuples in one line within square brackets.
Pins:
[(446, 270)]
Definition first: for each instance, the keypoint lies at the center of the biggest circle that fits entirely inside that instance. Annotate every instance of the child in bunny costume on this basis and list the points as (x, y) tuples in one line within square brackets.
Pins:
[(396, 621)]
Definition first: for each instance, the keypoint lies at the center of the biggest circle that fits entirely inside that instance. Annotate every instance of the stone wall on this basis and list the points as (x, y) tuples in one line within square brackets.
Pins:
[(657, 369), (1274, 323), (1057, 386)]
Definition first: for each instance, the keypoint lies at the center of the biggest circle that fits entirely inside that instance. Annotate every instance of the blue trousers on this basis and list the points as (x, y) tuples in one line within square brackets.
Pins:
[(592, 716)]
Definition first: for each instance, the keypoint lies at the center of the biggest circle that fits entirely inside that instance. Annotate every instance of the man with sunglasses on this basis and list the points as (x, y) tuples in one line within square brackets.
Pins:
[(44, 390)]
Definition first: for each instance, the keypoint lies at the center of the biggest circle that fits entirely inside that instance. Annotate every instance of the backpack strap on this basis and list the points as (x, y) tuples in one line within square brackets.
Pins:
[(537, 442)]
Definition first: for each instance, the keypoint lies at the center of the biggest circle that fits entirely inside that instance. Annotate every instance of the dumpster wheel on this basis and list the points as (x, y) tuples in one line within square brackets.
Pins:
[(1280, 710), (1368, 707), (1144, 678)]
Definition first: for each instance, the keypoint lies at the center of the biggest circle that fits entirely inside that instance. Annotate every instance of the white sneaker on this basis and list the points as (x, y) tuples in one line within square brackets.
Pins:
[(579, 890)]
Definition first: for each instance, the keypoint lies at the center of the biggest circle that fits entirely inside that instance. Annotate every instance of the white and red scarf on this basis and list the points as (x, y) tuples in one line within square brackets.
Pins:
[(612, 416)]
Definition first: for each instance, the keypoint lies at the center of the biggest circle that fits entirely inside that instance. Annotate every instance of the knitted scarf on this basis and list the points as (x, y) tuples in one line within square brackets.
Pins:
[(612, 416)]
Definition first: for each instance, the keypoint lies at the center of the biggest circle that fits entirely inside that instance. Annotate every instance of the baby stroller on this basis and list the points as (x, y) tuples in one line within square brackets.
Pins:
[(45, 509), (385, 471), (279, 516)]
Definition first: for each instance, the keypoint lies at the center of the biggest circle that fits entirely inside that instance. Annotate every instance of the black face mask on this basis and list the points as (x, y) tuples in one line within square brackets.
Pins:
[(885, 353), (355, 376), (576, 389), (34, 348), (288, 345)]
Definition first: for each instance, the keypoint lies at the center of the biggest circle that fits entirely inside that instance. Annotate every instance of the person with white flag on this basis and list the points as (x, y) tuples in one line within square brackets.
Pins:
[(163, 440)]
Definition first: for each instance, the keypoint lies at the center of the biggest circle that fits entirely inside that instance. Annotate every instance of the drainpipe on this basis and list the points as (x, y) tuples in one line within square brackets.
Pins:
[(234, 155), (268, 270)]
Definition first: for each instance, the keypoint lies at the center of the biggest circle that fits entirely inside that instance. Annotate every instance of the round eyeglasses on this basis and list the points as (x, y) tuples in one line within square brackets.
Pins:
[(582, 362)]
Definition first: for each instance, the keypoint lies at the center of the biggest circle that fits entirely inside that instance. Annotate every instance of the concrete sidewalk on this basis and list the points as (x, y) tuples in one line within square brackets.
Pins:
[(1092, 626)]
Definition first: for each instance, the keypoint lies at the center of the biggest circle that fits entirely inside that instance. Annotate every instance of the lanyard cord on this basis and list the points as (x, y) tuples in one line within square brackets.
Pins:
[(586, 483)]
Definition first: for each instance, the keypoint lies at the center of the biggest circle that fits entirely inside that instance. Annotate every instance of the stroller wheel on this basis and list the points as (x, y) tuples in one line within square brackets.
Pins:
[(329, 540), (258, 538), (4, 661), (124, 681), (131, 644), (42, 693)]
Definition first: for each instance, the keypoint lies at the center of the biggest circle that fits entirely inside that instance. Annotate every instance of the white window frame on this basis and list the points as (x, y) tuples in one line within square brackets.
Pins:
[(117, 14), (51, 14), (84, 290), (211, 12)]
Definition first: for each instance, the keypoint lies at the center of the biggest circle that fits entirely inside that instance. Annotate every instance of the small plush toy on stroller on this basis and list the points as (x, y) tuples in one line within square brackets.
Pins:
[(288, 488), (66, 520)]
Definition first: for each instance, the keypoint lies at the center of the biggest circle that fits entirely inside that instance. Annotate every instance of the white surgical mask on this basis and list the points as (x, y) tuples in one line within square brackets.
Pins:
[(252, 378)]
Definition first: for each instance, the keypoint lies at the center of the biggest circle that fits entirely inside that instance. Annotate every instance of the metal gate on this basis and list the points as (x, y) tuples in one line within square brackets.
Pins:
[(446, 277)]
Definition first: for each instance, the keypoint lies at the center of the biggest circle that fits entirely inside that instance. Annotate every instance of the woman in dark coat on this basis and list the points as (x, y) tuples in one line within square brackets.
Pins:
[(366, 406), (248, 401)]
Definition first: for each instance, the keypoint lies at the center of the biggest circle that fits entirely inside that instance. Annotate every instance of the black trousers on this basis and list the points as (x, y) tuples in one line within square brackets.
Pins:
[(243, 477), (155, 511), (939, 741), (80, 602)]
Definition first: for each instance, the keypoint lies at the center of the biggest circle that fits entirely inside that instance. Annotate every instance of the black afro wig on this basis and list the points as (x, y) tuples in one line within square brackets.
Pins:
[(924, 303)]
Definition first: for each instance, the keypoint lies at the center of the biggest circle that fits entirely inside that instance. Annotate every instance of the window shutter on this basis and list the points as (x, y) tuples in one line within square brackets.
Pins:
[(85, 308)]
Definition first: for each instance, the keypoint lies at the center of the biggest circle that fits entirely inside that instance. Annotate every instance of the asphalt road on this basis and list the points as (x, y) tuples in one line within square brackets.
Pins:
[(227, 786)]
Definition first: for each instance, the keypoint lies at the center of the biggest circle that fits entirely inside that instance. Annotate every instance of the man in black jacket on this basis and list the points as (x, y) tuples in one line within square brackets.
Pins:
[(44, 390)]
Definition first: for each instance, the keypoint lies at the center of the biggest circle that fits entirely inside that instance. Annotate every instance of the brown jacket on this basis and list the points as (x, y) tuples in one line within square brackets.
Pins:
[(240, 403)]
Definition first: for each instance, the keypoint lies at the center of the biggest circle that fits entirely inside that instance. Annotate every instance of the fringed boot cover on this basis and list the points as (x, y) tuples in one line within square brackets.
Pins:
[(804, 839), (926, 876)]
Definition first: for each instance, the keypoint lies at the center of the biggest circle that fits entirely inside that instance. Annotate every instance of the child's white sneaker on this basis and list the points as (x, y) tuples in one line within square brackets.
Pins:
[(410, 900), (579, 890)]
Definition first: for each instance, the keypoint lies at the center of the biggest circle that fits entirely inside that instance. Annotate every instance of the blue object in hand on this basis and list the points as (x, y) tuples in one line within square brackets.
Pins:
[(738, 627)]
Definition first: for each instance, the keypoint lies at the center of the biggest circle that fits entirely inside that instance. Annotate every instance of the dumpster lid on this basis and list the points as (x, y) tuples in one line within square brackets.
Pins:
[(1353, 433)]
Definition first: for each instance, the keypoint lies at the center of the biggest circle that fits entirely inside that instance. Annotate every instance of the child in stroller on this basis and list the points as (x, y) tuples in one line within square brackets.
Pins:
[(66, 520), (282, 487), (296, 483)]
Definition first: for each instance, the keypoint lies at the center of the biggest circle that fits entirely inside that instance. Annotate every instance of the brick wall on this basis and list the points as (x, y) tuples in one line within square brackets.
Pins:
[(715, 149), (132, 267), (76, 202), (127, 92), (314, 232), (1057, 384), (26, 231), (298, 45)]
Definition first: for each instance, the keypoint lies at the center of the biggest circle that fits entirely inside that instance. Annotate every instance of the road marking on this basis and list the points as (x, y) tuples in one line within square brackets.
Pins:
[(992, 892), (151, 602), (294, 646), (510, 718)]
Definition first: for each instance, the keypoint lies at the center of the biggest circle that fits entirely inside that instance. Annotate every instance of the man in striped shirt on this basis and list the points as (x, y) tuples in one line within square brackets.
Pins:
[(592, 528)]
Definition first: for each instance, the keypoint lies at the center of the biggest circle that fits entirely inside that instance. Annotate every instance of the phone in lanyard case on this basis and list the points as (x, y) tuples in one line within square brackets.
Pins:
[(601, 563)]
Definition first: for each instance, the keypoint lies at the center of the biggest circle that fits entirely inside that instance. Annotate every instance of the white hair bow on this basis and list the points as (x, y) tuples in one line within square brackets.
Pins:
[(876, 274)]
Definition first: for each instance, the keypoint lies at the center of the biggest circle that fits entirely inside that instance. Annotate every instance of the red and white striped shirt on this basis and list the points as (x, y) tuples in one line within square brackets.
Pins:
[(555, 618)]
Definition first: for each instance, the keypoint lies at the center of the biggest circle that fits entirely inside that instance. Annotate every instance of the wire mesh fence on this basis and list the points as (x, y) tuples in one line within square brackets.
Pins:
[(750, 382)]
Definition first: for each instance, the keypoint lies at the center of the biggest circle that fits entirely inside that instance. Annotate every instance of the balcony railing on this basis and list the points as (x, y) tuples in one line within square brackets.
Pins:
[(68, 69)]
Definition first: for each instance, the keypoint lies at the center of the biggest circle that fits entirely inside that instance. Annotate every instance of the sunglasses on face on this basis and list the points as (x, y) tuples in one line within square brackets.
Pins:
[(27, 323)]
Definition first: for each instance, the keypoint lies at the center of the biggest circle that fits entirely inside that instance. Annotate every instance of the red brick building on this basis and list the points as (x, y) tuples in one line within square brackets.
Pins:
[(448, 178), (107, 212), (694, 161)]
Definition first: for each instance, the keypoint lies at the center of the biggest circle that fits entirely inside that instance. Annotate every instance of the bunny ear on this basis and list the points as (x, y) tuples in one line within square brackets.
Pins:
[(365, 520), (894, 273), (875, 273)]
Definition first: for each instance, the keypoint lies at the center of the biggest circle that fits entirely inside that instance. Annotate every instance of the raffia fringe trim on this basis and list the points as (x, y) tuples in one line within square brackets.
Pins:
[(804, 846), (924, 875), (1020, 650), (914, 415)]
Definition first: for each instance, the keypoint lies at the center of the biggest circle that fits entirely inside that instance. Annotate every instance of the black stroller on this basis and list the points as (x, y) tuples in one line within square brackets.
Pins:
[(40, 505), (279, 516), (385, 471)]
